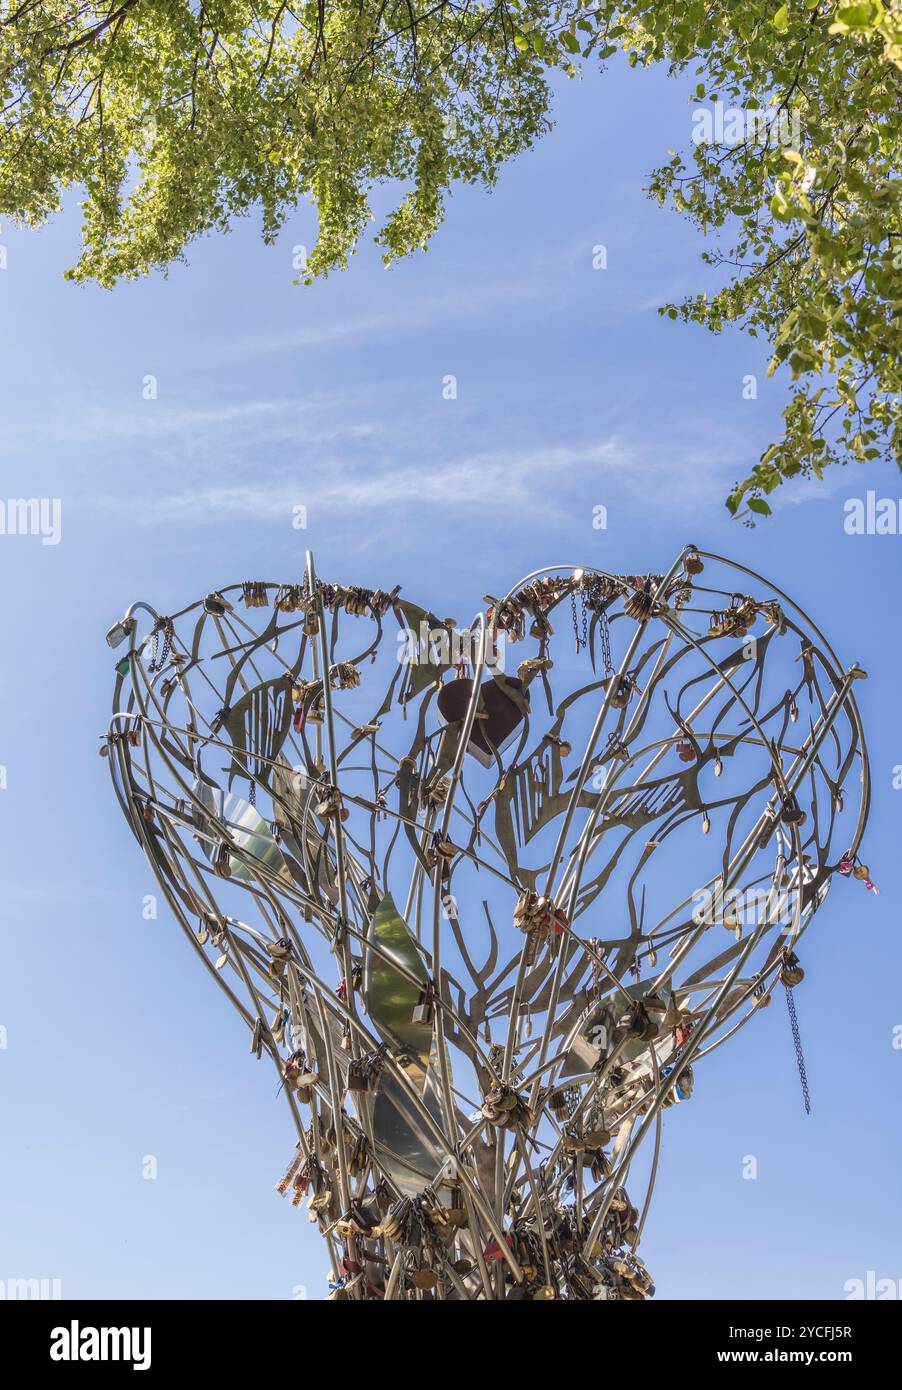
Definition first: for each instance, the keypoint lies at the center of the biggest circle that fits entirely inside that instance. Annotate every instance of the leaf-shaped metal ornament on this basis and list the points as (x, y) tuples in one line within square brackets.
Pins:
[(257, 726)]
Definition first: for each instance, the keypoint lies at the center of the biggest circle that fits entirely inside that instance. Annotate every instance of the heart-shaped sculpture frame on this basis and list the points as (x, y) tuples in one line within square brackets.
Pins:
[(383, 855)]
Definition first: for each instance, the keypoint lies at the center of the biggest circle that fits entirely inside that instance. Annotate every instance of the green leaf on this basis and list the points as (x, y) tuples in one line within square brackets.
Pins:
[(859, 16), (780, 20), (758, 504)]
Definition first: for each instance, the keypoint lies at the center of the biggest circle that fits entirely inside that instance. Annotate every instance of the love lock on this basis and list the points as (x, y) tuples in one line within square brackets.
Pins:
[(397, 1222), (600, 1165), (760, 996), (435, 795), (253, 593), (503, 1107), (289, 599), (508, 617), (540, 627), (639, 1025), (424, 1009), (621, 691), (559, 1106), (344, 676), (657, 1008), (641, 605), (363, 1071), (280, 953), (532, 667), (791, 973), (358, 1155), (222, 861), (298, 1077), (792, 813), (331, 808)]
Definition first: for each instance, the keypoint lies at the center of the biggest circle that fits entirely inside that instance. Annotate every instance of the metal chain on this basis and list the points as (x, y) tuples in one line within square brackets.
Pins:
[(165, 627), (800, 1057), (606, 646)]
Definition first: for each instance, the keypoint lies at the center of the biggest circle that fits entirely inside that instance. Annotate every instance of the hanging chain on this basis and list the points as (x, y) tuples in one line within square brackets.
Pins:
[(606, 645), (800, 1056), (165, 626), (575, 618)]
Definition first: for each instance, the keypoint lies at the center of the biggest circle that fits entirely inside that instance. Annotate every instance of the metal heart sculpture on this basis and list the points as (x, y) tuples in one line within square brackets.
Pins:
[(475, 917)]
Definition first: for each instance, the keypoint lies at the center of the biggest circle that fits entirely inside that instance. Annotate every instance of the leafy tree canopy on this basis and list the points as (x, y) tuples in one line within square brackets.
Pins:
[(175, 117)]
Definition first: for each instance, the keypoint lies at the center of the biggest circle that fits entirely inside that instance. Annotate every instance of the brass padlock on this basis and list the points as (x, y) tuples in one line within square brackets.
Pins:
[(791, 973)]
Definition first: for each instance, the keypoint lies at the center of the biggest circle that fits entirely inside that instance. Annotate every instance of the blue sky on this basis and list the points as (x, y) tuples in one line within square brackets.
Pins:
[(572, 393)]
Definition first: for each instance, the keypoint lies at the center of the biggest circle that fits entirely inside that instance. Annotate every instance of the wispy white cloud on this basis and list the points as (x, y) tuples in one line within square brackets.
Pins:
[(316, 420), (461, 303), (464, 303), (800, 491), (521, 481)]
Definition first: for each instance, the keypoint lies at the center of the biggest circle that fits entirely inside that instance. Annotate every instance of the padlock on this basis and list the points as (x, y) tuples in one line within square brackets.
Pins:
[(791, 973), (559, 1106), (639, 1025), (792, 813), (221, 861), (396, 1222), (424, 1009), (216, 605), (641, 604), (621, 690), (331, 808), (760, 996), (358, 1074)]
